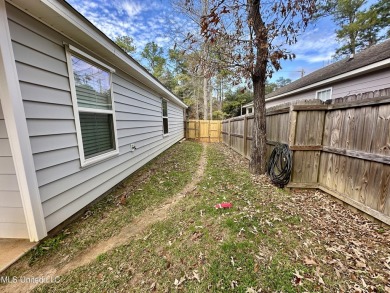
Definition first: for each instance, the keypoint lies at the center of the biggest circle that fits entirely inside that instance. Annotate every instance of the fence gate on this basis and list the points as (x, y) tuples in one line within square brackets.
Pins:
[(204, 130)]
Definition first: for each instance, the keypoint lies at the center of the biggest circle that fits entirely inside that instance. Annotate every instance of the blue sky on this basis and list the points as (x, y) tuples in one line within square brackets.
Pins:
[(156, 20)]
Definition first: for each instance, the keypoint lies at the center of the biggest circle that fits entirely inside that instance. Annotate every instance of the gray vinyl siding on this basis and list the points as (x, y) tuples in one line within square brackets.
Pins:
[(368, 82), (371, 81), (309, 95), (64, 186), (12, 219)]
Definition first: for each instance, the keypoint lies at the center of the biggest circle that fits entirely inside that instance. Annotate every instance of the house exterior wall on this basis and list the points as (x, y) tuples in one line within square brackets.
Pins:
[(65, 187), (368, 82), (365, 83), (12, 219), (300, 96)]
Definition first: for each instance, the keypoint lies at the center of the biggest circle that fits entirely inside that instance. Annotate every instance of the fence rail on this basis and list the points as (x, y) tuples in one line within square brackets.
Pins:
[(342, 148)]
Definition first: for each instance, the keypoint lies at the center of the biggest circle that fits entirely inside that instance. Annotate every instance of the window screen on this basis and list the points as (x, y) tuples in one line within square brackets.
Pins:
[(93, 92), (165, 116)]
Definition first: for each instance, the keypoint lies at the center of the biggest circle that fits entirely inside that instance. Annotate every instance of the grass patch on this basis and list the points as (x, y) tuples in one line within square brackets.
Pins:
[(146, 188), (49, 245), (200, 248), (270, 240)]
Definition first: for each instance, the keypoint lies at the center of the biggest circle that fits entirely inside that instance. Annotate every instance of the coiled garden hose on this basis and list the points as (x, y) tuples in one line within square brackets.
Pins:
[(280, 165)]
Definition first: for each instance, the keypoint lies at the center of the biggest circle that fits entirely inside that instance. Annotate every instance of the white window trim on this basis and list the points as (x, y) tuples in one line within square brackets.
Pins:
[(86, 56), (162, 117), (323, 90), (76, 109)]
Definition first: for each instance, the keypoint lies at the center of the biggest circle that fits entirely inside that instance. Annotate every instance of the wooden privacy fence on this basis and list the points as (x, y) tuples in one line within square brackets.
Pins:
[(342, 147), (204, 130)]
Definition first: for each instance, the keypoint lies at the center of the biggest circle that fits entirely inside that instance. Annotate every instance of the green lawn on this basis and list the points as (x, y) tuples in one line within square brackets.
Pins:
[(271, 240)]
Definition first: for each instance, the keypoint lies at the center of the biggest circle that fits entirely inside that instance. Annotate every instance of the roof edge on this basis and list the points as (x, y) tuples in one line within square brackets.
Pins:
[(71, 15), (368, 68)]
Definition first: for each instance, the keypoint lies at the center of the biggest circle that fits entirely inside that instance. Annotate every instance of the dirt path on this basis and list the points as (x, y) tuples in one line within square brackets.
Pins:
[(131, 231)]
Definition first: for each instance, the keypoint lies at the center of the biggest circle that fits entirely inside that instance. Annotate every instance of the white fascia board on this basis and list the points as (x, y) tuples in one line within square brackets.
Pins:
[(16, 125), (248, 105), (359, 71), (93, 33)]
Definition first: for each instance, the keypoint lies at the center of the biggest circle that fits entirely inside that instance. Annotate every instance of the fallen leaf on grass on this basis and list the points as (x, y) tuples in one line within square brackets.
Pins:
[(297, 280), (232, 261), (122, 200), (233, 284), (201, 257), (337, 273), (320, 280), (153, 286), (309, 261), (360, 264), (296, 254), (196, 236), (364, 283), (195, 275), (177, 282), (220, 283), (147, 236)]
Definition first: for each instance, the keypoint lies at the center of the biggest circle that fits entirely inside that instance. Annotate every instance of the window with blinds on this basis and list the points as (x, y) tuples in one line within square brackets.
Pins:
[(97, 134), (165, 116), (92, 94)]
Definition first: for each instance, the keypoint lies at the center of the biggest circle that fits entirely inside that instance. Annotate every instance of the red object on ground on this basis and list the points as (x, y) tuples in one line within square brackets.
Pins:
[(224, 205)]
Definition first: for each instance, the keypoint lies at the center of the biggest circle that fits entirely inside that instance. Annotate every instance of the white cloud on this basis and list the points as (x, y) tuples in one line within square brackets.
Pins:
[(132, 8), (162, 41), (315, 46), (149, 21)]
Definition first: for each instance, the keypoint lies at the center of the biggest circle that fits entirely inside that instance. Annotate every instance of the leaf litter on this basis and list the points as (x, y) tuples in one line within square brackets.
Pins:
[(349, 253), (299, 241)]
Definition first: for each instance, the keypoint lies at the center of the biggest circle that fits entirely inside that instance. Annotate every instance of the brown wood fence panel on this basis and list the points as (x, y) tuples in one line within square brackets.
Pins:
[(204, 130), (342, 148)]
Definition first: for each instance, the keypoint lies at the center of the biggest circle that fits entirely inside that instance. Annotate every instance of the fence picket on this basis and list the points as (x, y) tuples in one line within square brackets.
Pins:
[(342, 148)]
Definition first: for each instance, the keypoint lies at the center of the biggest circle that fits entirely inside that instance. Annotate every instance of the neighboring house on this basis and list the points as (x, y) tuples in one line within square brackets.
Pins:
[(247, 108), (77, 116), (368, 70)]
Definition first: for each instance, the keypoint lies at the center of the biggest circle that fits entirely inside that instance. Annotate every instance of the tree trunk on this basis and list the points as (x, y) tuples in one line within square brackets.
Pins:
[(205, 8), (220, 95), (197, 103), (210, 94), (205, 101), (258, 160)]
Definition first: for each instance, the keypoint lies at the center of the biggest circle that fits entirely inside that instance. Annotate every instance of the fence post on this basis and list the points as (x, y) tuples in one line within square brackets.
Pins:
[(209, 131), (318, 154), (230, 132), (198, 130), (245, 135), (220, 131), (292, 131), (292, 126)]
